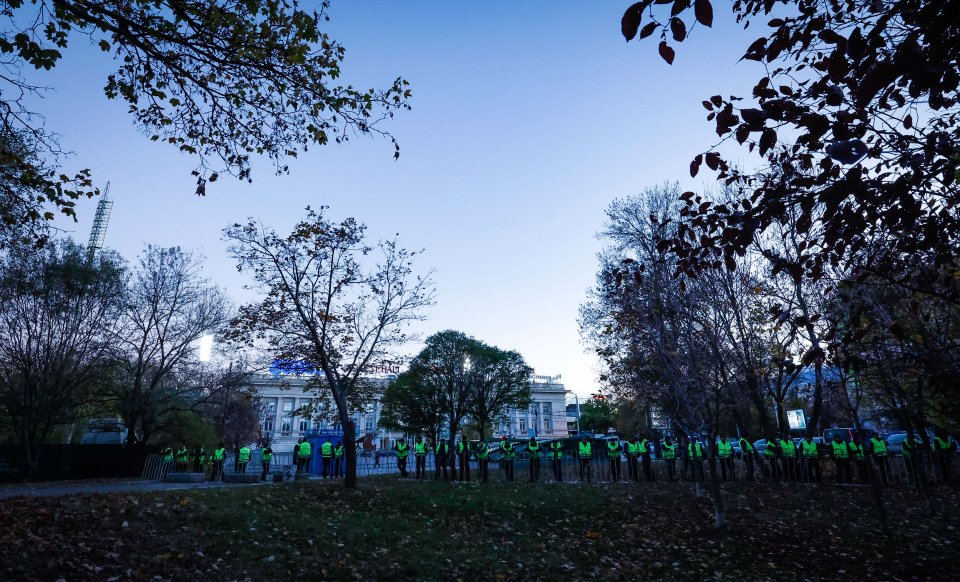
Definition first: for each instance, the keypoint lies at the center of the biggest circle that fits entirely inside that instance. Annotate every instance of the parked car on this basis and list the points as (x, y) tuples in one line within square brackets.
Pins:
[(760, 445), (846, 434)]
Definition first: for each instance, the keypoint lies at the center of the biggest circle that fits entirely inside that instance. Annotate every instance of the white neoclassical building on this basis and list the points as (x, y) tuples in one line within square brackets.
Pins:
[(546, 417), (283, 396)]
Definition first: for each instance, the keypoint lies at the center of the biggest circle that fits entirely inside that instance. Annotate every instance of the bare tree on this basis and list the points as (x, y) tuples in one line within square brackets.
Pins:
[(330, 300), (168, 307)]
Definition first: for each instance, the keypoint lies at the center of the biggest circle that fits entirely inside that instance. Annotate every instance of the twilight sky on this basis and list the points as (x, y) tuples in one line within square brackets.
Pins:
[(529, 118)]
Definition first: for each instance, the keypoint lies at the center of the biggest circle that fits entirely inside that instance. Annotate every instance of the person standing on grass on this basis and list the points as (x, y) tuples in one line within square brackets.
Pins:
[(644, 450), (266, 455), (841, 459), (747, 454), (770, 453), (219, 457), (912, 450), (533, 453), (463, 452), (788, 454), (725, 454), (483, 460), (402, 451), (441, 452), (326, 458), (183, 458), (695, 455), (633, 458), (878, 450), (811, 460), (243, 459), (613, 457), (858, 458), (305, 452), (669, 455), (556, 459), (508, 455), (420, 456), (338, 471), (944, 448), (296, 455), (585, 455)]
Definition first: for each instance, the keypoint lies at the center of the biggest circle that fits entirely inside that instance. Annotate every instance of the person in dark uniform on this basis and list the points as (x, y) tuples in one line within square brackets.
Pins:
[(585, 455), (403, 449), (533, 454), (420, 452), (613, 458), (556, 459), (463, 453), (440, 454), (508, 454), (483, 461)]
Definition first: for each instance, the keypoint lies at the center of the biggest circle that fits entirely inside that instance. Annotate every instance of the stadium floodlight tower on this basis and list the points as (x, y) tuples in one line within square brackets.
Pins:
[(98, 232)]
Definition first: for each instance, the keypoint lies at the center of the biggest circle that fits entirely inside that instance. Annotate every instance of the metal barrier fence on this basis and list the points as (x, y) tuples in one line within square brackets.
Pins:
[(600, 469)]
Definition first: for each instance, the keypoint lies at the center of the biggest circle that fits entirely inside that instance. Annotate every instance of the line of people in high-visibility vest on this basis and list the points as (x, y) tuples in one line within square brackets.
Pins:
[(183, 460), (781, 459)]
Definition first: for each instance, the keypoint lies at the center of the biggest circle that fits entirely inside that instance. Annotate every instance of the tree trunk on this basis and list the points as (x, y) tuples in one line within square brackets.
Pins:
[(481, 425), (350, 453), (719, 507)]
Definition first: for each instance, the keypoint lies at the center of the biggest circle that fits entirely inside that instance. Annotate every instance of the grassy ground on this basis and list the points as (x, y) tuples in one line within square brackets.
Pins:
[(495, 531)]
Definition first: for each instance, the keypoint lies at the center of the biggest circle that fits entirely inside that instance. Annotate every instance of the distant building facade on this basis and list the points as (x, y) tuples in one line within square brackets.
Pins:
[(546, 417)]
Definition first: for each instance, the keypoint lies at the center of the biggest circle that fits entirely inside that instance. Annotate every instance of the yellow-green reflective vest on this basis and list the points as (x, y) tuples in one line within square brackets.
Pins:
[(507, 448), (613, 449), (482, 452), (695, 451), (182, 455), (219, 453), (787, 448), (724, 449), (420, 449), (908, 445), (338, 450), (533, 449), (326, 450), (633, 448), (856, 451), (669, 451), (809, 448), (642, 447), (556, 450), (585, 449), (167, 455), (265, 455), (770, 450), (305, 450), (879, 447), (402, 450), (746, 447), (840, 450), (461, 448), (244, 456), (442, 449)]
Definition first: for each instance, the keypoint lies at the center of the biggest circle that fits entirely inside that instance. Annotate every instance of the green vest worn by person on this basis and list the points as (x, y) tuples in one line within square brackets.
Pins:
[(244, 455), (878, 446), (643, 446), (613, 449), (787, 448), (507, 448), (633, 448), (219, 453), (724, 449), (420, 449), (695, 451), (182, 455), (585, 449), (442, 449), (533, 449), (203, 456), (809, 448), (771, 449), (266, 454), (746, 447), (463, 448), (840, 450), (326, 450), (305, 450), (909, 444), (856, 451), (167, 455), (669, 451), (403, 449), (556, 450), (482, 451), (338, 450)]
